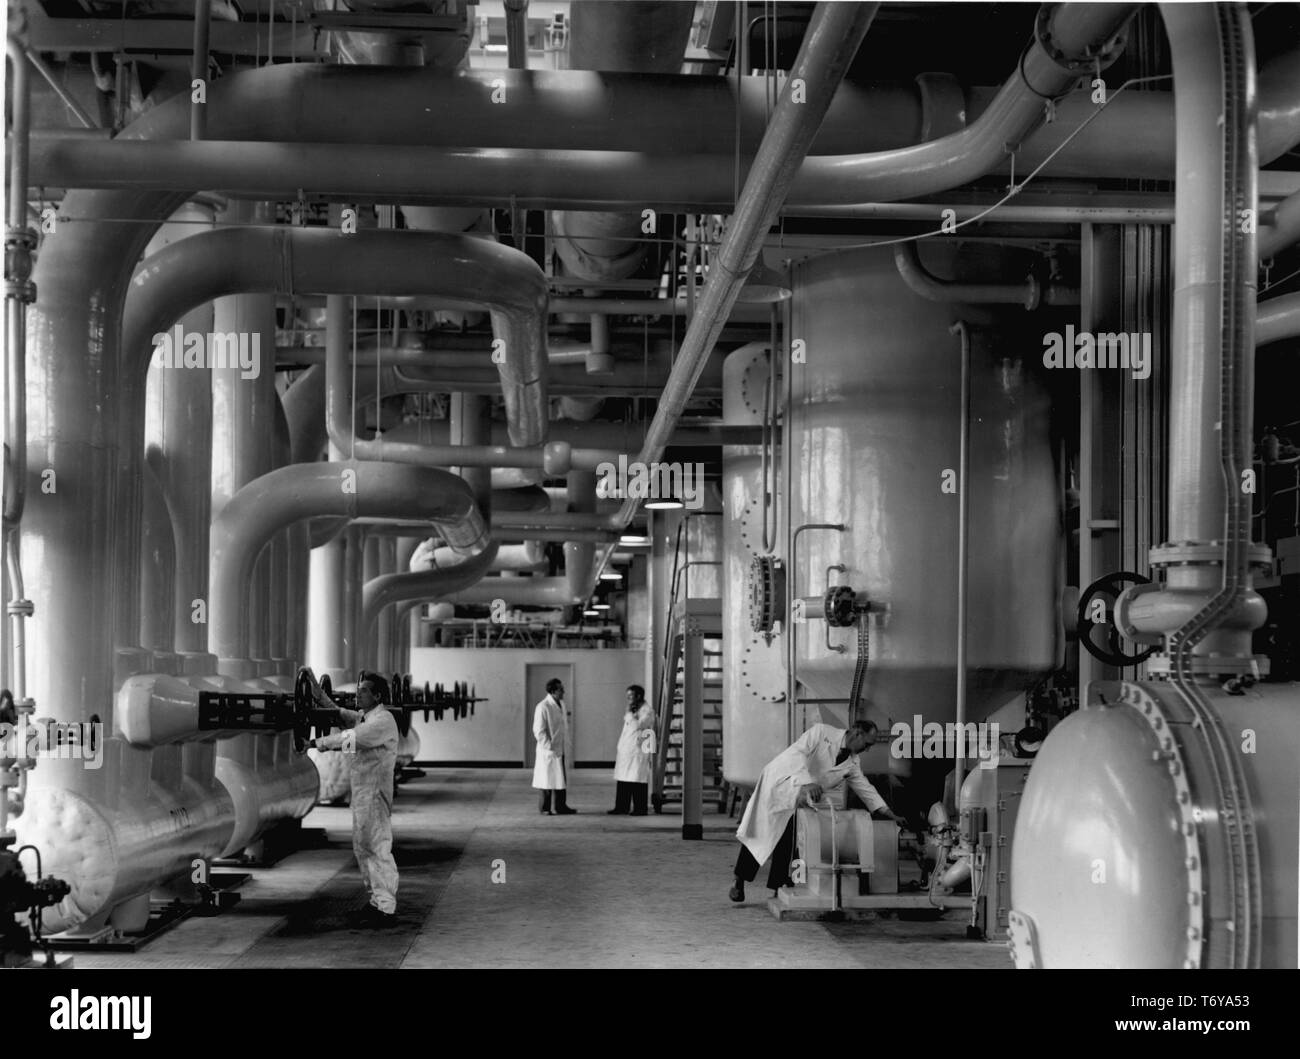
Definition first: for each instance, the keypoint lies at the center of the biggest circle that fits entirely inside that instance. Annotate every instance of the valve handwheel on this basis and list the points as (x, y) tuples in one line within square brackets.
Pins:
[(1108, 588)]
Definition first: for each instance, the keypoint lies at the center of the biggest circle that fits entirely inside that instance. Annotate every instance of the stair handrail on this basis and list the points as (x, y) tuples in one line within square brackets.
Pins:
[(668, 671)]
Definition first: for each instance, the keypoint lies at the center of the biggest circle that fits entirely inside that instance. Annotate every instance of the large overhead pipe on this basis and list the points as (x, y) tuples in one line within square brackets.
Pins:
[(636, 139), (353, 489), (466, 272), (829, 45)]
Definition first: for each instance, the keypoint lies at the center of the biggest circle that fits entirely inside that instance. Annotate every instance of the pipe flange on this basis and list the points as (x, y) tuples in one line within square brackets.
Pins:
[(1095, 57), (766, 591), (1171, 756), (24, 608), (840, 606), (1196, 553)]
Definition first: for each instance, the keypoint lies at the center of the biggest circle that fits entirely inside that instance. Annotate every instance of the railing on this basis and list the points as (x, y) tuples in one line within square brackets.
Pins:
[(668, 671)]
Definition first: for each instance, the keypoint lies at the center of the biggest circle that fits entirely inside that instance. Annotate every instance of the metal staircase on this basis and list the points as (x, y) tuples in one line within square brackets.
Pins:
[(688, 762)]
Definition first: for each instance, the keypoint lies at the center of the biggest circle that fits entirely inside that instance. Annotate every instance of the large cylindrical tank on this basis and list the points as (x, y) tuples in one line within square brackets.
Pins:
[(753, 678), (874, 430), (1117, 860)]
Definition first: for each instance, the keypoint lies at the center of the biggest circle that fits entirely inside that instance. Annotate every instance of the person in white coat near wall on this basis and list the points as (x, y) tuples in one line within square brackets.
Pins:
[(551, 732), (634, 763), (823, 759)]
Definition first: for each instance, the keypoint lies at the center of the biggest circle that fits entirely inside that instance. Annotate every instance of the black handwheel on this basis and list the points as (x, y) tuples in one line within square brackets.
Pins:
[(1108, 588), (303, 703)]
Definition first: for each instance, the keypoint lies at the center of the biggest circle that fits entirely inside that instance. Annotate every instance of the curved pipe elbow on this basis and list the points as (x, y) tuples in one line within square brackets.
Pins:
[(424, 585), (352, 490), (1029, 294)]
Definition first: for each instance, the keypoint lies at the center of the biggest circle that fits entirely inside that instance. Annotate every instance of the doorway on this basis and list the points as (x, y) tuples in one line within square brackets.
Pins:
[(536, 676)]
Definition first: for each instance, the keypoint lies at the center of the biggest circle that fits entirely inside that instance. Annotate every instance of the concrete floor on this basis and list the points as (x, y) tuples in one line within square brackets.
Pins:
[(581, 891)]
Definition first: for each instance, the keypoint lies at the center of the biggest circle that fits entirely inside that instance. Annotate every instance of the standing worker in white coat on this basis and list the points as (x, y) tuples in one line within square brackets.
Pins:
[(823, 759), (634, 764), (369, 740), (551, 732)]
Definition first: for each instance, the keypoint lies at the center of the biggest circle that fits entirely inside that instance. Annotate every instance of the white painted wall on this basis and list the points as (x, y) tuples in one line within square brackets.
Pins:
[(496, 731)]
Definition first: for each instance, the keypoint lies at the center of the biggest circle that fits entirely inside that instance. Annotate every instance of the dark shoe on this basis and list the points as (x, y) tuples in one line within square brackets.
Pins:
[(565, 811), (370, 918), (737, 891), (546, 812), (638, 812), (616, 812)]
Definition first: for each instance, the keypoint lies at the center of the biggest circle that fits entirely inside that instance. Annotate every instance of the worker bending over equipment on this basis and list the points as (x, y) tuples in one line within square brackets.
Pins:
[(823, 759)]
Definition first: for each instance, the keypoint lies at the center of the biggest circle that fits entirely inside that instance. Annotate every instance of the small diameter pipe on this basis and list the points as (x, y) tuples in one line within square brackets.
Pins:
[(963, 535), (1028, 293), (199, 68)]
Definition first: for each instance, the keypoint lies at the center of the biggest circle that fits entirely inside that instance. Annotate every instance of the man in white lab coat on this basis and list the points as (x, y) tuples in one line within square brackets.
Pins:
[(369, 740), (823, 759), (551, 732), (634, 763)]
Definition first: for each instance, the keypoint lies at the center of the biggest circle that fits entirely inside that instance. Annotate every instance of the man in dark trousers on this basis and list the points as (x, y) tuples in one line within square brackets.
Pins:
[(823, 759)]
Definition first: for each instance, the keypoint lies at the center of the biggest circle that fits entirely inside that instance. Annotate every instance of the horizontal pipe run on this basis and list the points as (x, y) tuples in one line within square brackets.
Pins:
[(626, 147), (1282, 229), (1277, 318)]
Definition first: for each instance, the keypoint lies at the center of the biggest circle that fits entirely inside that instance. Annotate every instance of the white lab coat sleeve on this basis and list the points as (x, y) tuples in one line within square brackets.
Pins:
[(863, 789), (801, 772), (541, 730), (333, 741)]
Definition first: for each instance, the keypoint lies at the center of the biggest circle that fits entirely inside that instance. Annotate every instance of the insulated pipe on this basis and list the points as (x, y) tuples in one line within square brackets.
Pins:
[(578, 556), (832, 38), (1077, 32), (1028, 293), (179, 424), (522, 591), (643, 140), (516, 34), (157, 571), (425, 585), (1277, 318), (352, 489), (464, 271), (1283, 229)]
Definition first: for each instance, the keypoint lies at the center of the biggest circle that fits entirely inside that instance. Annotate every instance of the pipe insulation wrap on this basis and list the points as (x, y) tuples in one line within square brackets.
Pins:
[(352, 490)]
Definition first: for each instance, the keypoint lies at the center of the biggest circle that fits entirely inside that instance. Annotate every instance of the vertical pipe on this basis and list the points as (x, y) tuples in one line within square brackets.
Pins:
[(517, 34), (325, 609), (963, 532), (20, 241), (199, 67), (387, 618), (693, 733), (353, 545), (244, 420)]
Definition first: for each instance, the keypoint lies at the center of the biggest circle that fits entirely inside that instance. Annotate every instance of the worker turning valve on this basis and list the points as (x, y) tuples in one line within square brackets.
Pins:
[(369, 741), (819, 764)]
